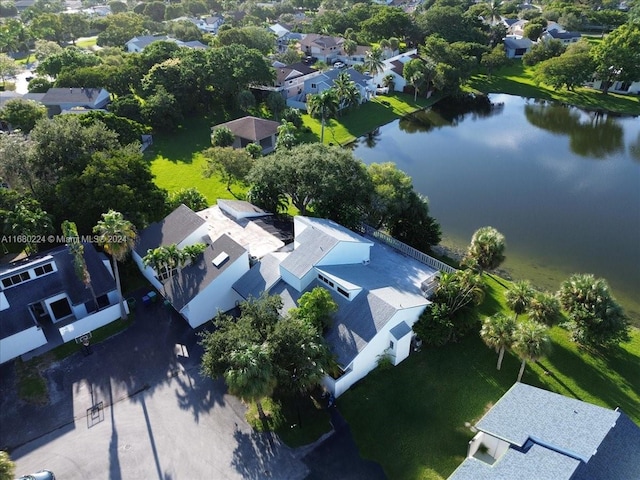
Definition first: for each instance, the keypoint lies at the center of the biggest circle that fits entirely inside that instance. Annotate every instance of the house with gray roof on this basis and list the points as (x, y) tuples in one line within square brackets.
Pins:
[(516, 47), (44, 304), (531, 433), (232, 231), (138, 44), (323, 47), (59, 99), (251, 129), (377, 289), (561, 35), (314, 84), (394, 66)]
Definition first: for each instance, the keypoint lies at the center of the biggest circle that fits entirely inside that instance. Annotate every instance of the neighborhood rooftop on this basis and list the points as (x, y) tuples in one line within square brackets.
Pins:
[(251, 128), (174, 228)]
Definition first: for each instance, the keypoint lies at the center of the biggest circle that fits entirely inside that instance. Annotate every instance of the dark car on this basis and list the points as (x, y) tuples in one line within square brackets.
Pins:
[(41, 475)]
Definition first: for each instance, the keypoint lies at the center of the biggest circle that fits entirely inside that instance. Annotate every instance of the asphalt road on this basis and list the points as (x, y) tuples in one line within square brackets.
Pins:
[(137, 408)]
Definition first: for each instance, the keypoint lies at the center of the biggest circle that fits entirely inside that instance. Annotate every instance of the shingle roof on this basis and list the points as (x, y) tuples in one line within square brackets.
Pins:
[(174, 228), (262, 276), (514, 43), (144, 40), (81, 95), (194, 278), (355, 76), (567, 424), (323, 41), (563, 35), (64, 280), (251, 128), (315, 245), (295, 70)]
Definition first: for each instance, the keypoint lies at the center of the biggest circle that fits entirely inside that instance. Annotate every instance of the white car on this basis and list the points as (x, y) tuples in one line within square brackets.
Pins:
[(339, 65)]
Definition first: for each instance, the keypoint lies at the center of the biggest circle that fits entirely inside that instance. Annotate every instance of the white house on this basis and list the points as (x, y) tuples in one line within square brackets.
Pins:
[(618, 86), (284, 36), (43, 303), (233, 231), (394, 66), (516, 47), (378, 291)]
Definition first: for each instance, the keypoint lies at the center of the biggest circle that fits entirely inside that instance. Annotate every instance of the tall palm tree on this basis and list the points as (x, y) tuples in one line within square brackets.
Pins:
[(346, 90), (156, 258), (493, 10), (531, 342), (416, 80), (389, 82), (324, 105), (497, 332), (544, 308), (70, 231), (486, 250), (374, 61), (118, 237), (349, 46), (519, 297), (250, 375)]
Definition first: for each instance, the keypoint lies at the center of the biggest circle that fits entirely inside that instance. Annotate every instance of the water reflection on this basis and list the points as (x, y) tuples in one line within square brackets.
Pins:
[(450, 113), (634, 149), (591, 134)]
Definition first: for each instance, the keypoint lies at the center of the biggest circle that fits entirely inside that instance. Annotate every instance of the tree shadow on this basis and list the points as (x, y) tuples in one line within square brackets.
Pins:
[(253, 454), (198, 395)]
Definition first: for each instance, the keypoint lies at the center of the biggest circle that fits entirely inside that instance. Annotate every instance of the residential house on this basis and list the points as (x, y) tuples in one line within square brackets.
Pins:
[(138, 44), (284, 36), (58, 99), (209, 24), (557, 32), (394, 66), (515, 28), (253, 130), (323, 47), (378, 291), (516, 47), (531, 433), (324, 80), (632, 88), (234, 232), (290, 79), (44, 304)]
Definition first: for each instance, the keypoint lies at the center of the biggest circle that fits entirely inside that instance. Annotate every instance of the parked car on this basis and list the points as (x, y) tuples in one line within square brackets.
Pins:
[(339, 65), (41, 475)]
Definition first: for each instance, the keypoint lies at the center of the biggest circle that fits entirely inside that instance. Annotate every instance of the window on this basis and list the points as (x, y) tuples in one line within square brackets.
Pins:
[(313, 85), (391, 345), (43, 269), (15, 279), (342, 292)]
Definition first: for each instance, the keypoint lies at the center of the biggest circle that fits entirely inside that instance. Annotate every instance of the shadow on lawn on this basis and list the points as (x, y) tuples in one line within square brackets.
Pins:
[(590, 379)]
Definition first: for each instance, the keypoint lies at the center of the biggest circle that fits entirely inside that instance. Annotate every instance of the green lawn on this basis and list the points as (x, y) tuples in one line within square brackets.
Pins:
[(87, 42), (517, 79), (177, 163), (412, 418), (366, 118)]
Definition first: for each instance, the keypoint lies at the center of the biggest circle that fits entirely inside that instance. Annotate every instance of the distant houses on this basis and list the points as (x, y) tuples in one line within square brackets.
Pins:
[(253, 130), (138, 44)]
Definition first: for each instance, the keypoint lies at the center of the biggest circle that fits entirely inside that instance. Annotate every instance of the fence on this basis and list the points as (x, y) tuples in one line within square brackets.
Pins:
[(406, 249)]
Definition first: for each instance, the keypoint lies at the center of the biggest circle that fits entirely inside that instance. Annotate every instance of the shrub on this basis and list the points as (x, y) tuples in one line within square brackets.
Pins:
[(273, 412)]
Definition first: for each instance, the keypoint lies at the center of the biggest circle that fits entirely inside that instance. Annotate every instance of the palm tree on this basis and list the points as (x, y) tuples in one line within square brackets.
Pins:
[(493, 9), (70, 231), (324, 105), (416, 80), (250, 375), (544, 308), (346, 90), (286, 135), (191, 252), (530, 342), (486, 250), (349, 47), (373, 61), (497, 332), (156, 258), (519, 297), (389, 82), (394, 43), (117, 236)]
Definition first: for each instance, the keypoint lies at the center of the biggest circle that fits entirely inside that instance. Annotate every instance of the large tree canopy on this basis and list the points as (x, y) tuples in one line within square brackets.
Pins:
[(329, 180), (617, 57)]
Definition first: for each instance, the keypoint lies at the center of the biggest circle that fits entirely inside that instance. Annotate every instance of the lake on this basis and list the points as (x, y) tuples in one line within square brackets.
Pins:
[(562, 185)]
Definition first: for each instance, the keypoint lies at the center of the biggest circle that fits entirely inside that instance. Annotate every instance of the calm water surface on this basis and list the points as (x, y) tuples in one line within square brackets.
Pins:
[(561, 184)]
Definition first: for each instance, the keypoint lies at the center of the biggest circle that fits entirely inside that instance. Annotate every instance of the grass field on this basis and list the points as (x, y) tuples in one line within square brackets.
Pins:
[(517, 79), (177, 163), (366, 118), (411, 419)]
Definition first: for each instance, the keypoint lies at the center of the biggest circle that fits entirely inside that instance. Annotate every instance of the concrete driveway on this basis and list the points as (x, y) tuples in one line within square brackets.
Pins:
[(137, 408)]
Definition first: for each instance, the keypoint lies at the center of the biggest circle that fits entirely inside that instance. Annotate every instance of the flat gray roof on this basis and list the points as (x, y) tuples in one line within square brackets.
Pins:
[(262, 276)]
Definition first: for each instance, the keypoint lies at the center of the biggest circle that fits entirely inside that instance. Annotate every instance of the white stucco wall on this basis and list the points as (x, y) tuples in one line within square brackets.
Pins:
[(218, 295), (367, 359), (147, 272), (21, 342), (195, 236), (290, 278), (347, 253), (91, 322)]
